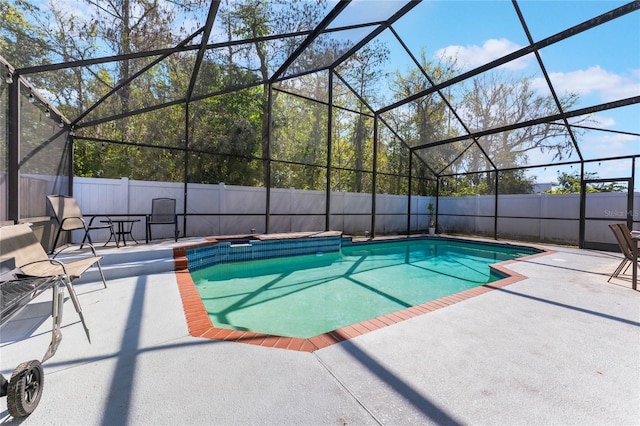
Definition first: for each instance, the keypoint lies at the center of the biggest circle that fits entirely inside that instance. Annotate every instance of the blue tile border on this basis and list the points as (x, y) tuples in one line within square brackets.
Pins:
[(226, 252), (248, 249)]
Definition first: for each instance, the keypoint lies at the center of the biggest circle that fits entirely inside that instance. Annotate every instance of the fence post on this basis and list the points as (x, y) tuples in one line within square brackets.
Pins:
[(293, 206), (222, 205), (477, 212), (543, 212), (123, 195), (385, 218)]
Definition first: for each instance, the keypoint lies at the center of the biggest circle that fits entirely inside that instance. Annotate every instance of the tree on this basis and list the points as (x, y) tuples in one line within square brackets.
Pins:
[(364, 70), (226, 129), (393, 164), (127, 26), (300, 139), (233, 131), (423, 120), (253, 19), (515, 182), (570, 183), (490, 100), (21, 42), (494, 100)]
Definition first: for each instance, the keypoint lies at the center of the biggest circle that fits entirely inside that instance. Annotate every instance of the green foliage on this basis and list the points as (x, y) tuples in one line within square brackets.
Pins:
[(239, 131), (21, 41), (515, 182), (467, 185), (432, 212), (570, 183)]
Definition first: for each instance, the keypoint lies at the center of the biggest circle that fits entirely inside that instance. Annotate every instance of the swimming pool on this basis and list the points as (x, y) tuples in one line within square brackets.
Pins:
[(308, 295)]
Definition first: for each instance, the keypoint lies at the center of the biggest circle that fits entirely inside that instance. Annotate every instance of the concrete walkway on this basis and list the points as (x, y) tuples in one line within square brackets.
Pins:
[(561, 347)]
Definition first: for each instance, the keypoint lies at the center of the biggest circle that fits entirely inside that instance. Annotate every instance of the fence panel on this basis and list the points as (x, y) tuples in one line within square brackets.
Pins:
[(224, 209)]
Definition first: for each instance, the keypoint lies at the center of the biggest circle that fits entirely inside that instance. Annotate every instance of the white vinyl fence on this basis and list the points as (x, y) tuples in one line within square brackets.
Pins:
[(228, 210)]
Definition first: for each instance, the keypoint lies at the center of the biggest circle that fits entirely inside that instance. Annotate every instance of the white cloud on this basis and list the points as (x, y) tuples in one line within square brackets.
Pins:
[(600, 121), (607, 85), (611, 142), (472, 56), (596, 81), (78, 9), (600, 144), (595, 120), (620, 139)]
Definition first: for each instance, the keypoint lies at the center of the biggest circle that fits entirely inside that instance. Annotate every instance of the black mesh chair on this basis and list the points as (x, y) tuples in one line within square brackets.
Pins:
[(163, 212)]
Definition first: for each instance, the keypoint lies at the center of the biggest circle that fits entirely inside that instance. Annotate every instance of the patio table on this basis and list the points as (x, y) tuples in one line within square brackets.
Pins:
[(125, 226)]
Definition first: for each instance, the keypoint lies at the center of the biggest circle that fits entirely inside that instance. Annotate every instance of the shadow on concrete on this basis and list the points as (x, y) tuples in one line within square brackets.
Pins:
[(564, 305), (434, 413)]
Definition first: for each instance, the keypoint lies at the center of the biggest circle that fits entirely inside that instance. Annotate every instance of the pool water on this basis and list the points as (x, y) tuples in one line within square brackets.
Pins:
[(304, 296)]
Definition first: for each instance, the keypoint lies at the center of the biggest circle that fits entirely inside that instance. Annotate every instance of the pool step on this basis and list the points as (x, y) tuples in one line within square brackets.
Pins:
[(122, 264)]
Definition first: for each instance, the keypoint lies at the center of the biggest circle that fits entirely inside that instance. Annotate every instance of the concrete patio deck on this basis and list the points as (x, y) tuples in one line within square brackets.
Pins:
[(560, 347)]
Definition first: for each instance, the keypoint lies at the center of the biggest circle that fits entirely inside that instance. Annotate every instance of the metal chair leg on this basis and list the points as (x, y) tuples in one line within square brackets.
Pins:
[(55, 241), (618, 269)]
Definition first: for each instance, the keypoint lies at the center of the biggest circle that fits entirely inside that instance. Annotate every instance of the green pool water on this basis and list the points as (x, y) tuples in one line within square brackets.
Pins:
[(303, 296)]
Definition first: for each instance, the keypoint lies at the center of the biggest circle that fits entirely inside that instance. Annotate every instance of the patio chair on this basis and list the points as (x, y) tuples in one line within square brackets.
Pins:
[(626, 233), (70, 218), (20, 243), (623, 236), (163, 212)]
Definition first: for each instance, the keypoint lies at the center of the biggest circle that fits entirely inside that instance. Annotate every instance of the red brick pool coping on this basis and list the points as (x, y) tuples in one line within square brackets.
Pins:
[(200, 325)]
